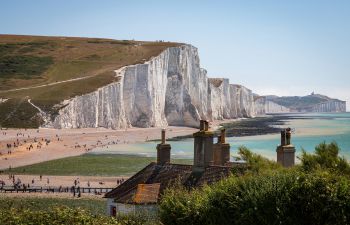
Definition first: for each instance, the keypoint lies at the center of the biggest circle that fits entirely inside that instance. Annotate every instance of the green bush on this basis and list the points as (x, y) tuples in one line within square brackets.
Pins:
[(256, 163), (62, 215), (326, 157), (283, 197)]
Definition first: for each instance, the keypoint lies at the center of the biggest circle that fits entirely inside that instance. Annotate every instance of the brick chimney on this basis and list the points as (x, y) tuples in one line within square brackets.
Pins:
[(286, 151), (203, 146), (163, 150), (221, 150)]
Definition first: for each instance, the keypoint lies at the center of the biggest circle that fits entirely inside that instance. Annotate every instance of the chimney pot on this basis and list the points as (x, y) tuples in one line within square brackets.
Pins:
[(201, 125), (206, 125), (288, 135), (219, 139), (223, 136), (283, 137), (163, 136)]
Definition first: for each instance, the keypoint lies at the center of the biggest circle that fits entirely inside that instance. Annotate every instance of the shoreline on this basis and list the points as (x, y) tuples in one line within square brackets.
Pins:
[(30, 146), (44, 144), (245, 127)]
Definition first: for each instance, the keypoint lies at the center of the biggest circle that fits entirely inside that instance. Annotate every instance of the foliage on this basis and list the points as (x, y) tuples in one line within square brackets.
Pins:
[(314, 193), (326, 157), (283, 197), (255, 162), (61, 215), (182, 206), (93, 206)]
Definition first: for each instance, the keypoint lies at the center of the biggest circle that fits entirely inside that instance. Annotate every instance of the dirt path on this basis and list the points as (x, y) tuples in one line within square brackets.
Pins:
[(46, 85)]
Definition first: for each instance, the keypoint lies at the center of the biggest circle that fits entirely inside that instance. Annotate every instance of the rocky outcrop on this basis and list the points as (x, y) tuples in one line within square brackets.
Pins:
[(170, 89)]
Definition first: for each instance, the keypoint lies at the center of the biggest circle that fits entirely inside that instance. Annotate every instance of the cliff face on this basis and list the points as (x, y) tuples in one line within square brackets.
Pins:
[(228, 101), (271, 107), (264, 106), (330, 106), (170, 89), (309, 103)]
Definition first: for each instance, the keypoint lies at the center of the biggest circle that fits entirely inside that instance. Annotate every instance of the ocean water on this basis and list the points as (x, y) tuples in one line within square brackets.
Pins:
[(308, 131)]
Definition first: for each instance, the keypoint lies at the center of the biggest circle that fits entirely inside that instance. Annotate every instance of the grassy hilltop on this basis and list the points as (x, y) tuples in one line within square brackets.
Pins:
[(30, 61)]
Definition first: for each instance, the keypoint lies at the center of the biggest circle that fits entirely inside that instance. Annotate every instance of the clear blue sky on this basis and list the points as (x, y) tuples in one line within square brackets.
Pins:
[(273, 47)]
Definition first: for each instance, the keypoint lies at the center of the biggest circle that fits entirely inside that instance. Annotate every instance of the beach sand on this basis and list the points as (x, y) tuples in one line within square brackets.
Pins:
[(60, 143), (44, 144)]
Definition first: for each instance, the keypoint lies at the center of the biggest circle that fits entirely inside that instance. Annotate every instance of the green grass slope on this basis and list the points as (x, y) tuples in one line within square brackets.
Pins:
[(92, 165), (30, 61)]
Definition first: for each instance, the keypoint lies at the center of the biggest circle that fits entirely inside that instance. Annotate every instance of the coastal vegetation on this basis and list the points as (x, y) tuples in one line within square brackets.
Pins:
[(50, 210), (315, 192), (94, 206), (63, 215)]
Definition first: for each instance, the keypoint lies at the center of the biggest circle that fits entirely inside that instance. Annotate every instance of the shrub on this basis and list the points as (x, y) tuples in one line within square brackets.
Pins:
[(282, 197), (326, 157), (62, 215), (256, 163)]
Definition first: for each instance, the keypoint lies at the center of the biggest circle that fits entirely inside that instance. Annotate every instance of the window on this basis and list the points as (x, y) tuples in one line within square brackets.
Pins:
[(113, 211)]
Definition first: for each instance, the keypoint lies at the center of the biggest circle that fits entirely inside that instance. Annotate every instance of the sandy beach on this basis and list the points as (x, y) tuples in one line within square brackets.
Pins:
[(20, 147)]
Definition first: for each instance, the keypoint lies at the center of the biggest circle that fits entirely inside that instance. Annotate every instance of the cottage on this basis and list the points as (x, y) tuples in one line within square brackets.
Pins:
[(141, 192)]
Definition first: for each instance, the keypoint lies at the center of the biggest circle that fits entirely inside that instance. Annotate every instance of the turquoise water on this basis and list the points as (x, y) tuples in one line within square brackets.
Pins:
[(309, 130)]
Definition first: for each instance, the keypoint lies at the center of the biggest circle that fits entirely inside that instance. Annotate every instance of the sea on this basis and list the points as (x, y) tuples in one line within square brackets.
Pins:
[(309, 130)]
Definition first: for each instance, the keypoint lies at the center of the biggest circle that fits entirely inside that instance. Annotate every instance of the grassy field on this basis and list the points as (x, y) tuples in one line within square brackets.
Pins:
[(92, 165), (94, 206), (29, 61)]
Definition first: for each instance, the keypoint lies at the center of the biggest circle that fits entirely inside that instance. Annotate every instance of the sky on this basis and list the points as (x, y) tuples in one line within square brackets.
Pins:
[(272, 47)]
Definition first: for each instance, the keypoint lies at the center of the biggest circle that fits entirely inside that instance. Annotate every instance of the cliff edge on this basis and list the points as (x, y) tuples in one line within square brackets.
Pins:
[(169, 89)]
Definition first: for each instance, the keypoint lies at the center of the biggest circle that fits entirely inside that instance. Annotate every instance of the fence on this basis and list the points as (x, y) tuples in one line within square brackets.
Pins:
[(93, 190)]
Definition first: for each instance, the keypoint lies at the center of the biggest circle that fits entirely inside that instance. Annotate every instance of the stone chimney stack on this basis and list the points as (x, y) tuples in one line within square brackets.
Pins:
[(221, 150), (163, 150), (203, 147), (286, 151)]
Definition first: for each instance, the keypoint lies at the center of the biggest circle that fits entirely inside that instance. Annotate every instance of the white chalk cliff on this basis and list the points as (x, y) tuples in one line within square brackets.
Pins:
[(264, 106), (332, 105), (169, 89)]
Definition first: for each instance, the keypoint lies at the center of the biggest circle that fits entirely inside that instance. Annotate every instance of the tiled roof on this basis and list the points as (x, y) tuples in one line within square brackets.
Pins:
[(147, 193), (164, 176)]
